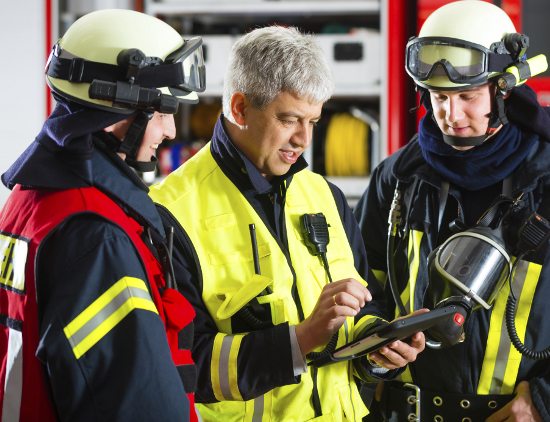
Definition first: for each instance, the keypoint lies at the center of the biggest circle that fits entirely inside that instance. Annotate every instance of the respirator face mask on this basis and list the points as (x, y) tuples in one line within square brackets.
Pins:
[(468, 270), (474, 262)]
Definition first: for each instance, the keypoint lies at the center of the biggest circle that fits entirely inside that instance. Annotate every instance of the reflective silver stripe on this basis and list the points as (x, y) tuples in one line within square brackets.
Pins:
[(504, 344), (258, 409), (106, 312), (351, 401), (199, 417), (408, 305), (346, 330), (224, 368), (13, 387)]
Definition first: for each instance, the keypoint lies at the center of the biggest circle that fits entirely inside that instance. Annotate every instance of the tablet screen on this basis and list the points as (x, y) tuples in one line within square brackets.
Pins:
[(371, 342)]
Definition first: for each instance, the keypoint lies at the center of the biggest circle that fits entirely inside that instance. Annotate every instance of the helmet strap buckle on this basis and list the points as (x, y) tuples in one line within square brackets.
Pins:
[(497, 117), (423, 93), (132, 141), (76, 70)]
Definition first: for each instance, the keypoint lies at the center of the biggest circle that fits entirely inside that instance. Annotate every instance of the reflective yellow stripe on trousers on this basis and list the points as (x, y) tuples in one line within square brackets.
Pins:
[(501, 362)]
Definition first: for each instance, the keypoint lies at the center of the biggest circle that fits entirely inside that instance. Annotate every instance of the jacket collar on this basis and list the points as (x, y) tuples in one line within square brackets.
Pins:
[(117, 180), (410, 164), (240, 169)]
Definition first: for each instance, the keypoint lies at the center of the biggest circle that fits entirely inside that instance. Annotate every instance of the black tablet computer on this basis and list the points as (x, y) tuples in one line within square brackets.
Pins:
[(382, 335)]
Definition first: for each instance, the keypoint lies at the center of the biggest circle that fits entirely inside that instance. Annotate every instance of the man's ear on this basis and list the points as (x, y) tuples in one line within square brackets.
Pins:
[(239, 103), (119, 129), (109, 128)]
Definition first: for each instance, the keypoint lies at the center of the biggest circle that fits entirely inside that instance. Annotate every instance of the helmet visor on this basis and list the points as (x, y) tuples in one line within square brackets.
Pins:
[(459, 61), (191, 58)]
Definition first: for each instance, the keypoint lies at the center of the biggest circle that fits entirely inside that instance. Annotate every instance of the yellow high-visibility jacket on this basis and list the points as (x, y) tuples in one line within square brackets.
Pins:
[(215, 216)]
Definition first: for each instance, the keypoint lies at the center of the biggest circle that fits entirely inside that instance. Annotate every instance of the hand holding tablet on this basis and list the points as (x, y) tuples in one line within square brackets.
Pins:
[(383, 335)]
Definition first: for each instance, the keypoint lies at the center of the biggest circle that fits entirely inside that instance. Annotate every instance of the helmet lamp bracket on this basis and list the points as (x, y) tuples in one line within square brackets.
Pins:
[(516, 44), (132, 60)]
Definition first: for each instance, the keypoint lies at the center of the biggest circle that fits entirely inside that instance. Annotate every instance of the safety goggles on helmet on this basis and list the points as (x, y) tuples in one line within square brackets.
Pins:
[(460, 61), (190, 57), (182, 71)]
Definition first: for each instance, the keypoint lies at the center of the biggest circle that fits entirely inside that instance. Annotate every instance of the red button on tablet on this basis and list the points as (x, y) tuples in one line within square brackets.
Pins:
[(458, 318)]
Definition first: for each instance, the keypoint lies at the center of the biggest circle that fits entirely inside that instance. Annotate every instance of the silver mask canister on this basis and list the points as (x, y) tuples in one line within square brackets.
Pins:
[(473, 264)]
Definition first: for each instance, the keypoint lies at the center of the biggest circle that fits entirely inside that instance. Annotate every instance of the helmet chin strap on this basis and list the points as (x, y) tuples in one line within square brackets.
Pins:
[(497, 118), (132, 141), (143, 166)]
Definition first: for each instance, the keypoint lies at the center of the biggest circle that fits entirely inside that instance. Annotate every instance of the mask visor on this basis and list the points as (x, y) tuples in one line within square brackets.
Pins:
[(475, 264)]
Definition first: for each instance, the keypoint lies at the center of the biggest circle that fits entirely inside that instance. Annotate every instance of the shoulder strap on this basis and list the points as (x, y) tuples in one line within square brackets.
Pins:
[(443, 196), (405, 218), (339, 204)]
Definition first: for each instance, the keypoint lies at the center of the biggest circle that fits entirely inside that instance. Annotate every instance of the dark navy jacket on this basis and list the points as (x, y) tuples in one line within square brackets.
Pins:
[(458, 369), (129, 374)]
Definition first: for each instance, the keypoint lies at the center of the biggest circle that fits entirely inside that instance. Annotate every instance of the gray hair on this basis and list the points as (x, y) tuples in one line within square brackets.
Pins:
[(268, 61)]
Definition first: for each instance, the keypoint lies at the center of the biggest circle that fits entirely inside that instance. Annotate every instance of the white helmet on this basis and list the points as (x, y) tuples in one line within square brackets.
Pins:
[(463, 44), (466, 44), (122, 61)]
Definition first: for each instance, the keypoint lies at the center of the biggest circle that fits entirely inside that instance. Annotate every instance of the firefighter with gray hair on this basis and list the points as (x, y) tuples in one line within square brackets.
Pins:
[(266, 304)]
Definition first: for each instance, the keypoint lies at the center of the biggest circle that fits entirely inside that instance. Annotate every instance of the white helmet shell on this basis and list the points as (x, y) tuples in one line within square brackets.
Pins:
[(100, 36), (472, 21)]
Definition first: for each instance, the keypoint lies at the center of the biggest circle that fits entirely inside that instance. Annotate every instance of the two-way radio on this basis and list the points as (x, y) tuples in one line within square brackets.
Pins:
[(316, 238)]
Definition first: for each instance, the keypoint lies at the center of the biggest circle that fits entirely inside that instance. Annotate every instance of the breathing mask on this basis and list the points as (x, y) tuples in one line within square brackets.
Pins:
[(470, 268)]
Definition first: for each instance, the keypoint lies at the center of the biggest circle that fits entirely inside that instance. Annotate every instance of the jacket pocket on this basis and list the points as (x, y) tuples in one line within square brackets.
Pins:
[(323, 418), (351, 403), (235, 300)]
